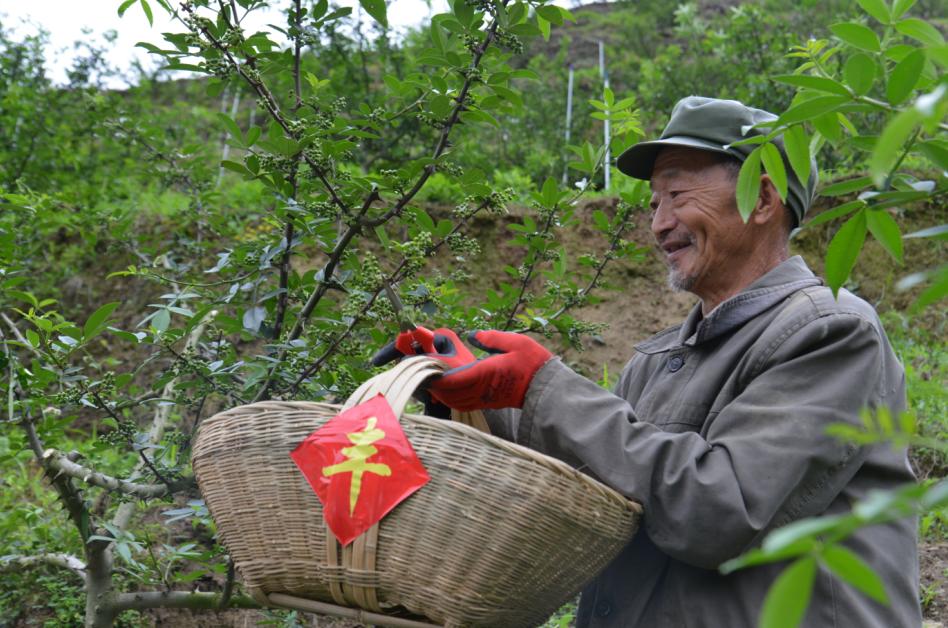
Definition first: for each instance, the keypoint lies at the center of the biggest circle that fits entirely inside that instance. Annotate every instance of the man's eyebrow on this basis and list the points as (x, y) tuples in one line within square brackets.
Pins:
[(668, 173)]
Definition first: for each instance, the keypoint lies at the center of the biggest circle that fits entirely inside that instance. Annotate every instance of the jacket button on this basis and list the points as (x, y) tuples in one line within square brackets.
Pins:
[(603, 609), (675, 363)]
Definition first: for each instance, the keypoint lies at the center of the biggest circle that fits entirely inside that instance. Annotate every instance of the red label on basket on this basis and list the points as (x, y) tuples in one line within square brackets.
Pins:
[(361, 466)]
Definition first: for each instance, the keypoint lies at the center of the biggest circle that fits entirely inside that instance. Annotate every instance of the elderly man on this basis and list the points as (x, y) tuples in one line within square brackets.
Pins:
[(717, 426)]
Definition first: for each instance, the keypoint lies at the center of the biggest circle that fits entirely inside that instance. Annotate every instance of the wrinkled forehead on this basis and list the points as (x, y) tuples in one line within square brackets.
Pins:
[(674, 164)]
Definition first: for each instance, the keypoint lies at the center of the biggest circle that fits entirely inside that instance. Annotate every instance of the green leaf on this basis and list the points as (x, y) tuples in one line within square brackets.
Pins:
[(857, 35), (383, 237), (810, 109), (124, 7), (845, 187), (544, 27), (888, 146), (551, 14), (837, 212), (437, 36), (96, 320), (147, 9), (802, 529), (239, 168), (899, 7), (376, 8), (601, 220), (253, 134), (477, 115), (748, 184), (761, 557), (920, 30), (797, 146), (886, 231), (904, 77), (550, 193), (860, 73), (817, 83), (231, 126), (424, 220), (464, 12), (33, 337), (161, 320), (935, 496), (937, 291), (773, 164), (440, 105), (124, 551), (788, 598), (936, 151), (844, 249), (877, 9), (852, 569), (828, 126)]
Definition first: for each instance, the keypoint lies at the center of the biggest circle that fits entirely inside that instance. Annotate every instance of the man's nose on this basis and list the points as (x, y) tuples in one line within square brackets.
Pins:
[(663, 219)]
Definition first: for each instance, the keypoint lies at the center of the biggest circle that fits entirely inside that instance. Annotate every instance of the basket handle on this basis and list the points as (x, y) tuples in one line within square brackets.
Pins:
[(399, 382)]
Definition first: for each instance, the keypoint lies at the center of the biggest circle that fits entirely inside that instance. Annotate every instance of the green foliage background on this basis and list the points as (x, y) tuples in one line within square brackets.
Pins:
[(216, 206)]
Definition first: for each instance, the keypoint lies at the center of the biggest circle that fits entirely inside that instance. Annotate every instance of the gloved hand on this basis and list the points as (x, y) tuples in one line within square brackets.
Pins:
[(497, 381), (442, 344)]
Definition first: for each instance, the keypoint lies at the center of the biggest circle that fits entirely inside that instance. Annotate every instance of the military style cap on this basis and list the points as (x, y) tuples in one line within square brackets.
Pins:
[(713, 124)]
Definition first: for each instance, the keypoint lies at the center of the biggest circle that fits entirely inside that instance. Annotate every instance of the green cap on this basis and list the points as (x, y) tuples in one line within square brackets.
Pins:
[(713, 124)]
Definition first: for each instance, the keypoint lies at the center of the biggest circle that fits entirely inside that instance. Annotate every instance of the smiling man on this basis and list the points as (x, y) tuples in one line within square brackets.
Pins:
[(717, 425)]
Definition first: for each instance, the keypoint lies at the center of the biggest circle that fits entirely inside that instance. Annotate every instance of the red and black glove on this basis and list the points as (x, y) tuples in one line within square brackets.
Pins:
[(498, 381), (442, 344)]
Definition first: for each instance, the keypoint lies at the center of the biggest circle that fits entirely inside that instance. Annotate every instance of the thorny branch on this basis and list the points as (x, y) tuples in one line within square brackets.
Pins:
[(394, 278), (527, 276)]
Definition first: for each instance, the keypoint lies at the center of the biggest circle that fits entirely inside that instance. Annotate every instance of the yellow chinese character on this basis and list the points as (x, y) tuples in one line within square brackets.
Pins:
[(357, 457)]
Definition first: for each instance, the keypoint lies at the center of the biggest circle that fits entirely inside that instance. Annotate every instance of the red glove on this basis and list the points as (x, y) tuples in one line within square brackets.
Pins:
[(442, 344), (497, 381)]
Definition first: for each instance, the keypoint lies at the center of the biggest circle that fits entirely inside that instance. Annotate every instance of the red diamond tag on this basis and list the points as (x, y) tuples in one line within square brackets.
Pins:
[(361, 466)]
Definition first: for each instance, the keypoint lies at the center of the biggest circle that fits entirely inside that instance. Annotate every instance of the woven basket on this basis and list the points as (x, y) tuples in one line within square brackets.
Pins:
[(500, 536)]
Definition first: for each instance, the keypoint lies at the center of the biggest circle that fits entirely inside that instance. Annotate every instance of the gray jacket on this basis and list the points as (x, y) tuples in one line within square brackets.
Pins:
[(717, 428)]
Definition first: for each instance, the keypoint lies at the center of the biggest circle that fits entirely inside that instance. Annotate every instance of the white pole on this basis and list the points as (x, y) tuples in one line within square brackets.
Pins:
[(605, 86), (569, 119)]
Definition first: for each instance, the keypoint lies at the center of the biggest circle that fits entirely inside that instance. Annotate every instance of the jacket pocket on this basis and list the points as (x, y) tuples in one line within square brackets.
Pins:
[(687, 417)]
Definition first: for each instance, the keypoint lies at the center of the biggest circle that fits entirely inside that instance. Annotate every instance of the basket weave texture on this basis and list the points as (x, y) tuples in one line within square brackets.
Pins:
[(500, 536)]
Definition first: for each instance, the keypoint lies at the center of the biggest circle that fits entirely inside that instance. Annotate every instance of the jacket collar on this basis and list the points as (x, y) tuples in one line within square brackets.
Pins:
[(772, 288)]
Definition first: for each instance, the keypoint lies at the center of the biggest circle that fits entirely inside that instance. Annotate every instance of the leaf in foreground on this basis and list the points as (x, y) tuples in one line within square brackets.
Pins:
[(844, 249), (855, 571), (789, 596)]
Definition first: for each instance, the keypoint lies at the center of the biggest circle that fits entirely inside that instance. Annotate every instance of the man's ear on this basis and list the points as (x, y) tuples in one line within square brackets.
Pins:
[(769, 206)]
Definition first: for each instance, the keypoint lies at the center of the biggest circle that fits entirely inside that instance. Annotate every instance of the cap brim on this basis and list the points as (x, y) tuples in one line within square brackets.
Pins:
[(639, 160)]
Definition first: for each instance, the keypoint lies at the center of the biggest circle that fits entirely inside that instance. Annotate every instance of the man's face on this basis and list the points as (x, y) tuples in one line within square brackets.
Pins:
[(697, 225)]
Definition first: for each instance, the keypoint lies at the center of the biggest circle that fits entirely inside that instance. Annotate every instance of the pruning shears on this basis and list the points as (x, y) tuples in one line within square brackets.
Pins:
[(404, 321)]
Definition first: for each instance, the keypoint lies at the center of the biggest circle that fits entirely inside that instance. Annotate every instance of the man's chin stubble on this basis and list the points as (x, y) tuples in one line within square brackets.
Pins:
[(678, 281)]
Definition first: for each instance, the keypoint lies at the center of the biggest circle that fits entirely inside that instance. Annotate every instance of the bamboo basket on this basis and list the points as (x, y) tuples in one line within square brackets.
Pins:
[(500, 536)]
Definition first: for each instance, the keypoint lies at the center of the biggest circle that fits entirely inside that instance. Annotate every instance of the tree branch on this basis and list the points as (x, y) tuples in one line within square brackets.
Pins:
[(61, 464), (18, 335), (57, 559), (527, 276), (319, 292), (397, 275), (272, 107), (445, 131), (141, 452), (177, 599)]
